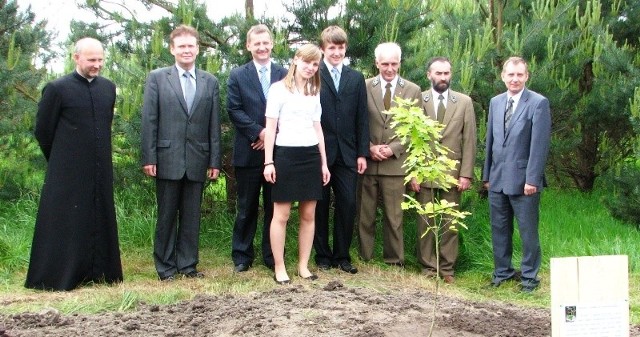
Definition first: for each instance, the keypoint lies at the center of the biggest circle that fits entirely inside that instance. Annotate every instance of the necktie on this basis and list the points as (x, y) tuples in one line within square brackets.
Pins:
[(189, 90), (441, 108), (387, 96), (336, 77), (508, 113), (265, 81)]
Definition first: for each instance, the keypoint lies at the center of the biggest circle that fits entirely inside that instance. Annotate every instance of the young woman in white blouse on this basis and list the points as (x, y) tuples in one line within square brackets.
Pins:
[(294, 149)]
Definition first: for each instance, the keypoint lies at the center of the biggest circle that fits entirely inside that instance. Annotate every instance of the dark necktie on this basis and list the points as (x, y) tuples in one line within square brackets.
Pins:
[(189, 91), (441, 109), (265, 82), (387, 96), (508, 113)]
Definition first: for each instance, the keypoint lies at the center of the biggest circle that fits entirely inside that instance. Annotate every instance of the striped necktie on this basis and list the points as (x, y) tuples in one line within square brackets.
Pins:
[(336, 77), (265, 82)]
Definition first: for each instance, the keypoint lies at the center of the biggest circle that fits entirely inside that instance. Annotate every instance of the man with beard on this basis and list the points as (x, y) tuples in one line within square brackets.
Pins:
[(455, 111)]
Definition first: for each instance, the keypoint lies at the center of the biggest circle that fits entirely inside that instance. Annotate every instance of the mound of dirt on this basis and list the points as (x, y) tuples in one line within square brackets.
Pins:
[(296, 310)]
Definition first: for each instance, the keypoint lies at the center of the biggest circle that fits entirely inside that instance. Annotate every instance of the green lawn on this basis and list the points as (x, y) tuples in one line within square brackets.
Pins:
[(572, 224)]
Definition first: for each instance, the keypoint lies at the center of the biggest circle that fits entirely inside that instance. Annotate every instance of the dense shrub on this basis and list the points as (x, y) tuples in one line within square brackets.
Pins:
[(624, 200)]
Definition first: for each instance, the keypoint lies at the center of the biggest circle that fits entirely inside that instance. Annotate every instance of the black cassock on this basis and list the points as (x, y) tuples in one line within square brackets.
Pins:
[(76, 237)]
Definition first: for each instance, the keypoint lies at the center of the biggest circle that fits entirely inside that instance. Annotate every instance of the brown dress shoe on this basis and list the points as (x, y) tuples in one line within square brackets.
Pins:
[(449, 279)]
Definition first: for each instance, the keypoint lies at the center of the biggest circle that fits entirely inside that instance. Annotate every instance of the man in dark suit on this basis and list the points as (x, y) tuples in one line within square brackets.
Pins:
[(518, 137), (384, 175), (181, 149), (345, 124), (455, 111), (247, 90)]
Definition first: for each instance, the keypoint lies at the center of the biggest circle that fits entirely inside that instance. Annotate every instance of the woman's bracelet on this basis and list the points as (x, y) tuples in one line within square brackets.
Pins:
[(269, 163)]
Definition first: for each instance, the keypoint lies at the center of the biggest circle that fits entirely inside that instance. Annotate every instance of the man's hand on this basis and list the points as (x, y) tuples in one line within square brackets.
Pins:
[(259, 144), (362, 165), (213, 173), (464, 184), (149, 170), (414, 185), (530, 189), (380, 152)]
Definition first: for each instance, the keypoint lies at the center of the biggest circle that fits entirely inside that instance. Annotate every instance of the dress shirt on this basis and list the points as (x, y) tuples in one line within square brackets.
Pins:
[(259, 66), (436, 101), (383, 84), (181, 72)]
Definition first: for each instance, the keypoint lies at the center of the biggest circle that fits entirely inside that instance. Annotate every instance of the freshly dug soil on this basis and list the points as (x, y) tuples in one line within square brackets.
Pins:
[(297, 310)]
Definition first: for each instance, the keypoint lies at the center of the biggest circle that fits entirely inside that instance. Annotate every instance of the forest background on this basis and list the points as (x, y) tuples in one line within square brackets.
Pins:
[(583, 55)]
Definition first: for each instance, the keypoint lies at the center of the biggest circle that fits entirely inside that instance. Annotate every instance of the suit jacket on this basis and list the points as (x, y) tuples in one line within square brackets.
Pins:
[(345, 120), (519, 155), (177, 141), (459, 134), (246, 105), (380, 131)]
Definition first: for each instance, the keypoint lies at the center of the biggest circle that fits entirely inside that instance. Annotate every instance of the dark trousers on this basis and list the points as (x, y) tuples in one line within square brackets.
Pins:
[(178, 227), (343, 182), (502, 209), (249, 182)]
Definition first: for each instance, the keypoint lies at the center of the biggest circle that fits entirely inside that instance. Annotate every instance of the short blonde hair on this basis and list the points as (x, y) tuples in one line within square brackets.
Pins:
[(258, 29), (515, 60), (333, 34)]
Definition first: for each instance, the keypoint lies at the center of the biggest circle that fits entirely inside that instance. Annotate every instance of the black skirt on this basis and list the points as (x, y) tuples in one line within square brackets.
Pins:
[(298, 174)]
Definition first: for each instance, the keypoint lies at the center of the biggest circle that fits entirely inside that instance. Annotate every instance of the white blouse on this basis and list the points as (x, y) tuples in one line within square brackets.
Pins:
[(295, 113)]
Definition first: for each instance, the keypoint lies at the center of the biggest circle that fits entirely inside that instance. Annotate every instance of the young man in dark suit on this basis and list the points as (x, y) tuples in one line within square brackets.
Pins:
[(345, 124), (247, 91), (518, 139), (181, 150)]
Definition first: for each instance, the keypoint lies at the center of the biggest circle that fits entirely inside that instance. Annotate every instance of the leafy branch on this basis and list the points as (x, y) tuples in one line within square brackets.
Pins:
[(427, 161)]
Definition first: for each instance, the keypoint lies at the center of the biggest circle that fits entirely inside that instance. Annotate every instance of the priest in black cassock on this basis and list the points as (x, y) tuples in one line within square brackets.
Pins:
[(76, 237)]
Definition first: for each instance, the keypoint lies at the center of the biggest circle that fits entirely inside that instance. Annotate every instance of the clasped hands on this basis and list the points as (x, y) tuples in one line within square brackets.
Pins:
[(380, 152)]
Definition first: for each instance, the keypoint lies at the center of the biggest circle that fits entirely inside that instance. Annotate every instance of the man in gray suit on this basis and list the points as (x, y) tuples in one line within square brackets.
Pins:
[(518, 137), (180, 149)]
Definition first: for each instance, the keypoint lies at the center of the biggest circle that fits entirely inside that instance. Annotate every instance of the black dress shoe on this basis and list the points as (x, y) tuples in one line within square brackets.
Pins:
[(346, 266), (283, 282), (194, 274), (529, 285), (517, 276), (323, 266), (241, 267), (169, 278)]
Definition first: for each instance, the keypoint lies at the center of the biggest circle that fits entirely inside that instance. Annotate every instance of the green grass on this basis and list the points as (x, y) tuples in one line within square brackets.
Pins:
[(572, 224)]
